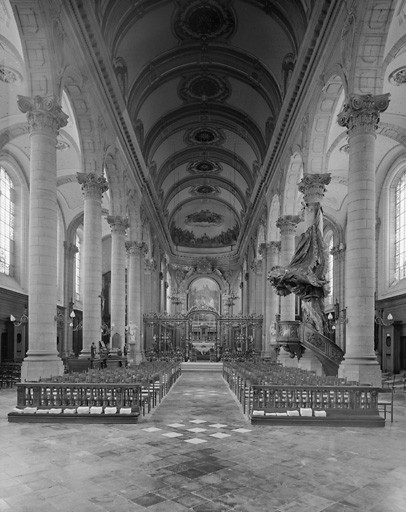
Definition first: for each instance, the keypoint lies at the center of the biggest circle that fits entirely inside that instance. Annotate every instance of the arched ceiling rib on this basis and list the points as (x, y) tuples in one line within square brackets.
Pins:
[(188, 116)]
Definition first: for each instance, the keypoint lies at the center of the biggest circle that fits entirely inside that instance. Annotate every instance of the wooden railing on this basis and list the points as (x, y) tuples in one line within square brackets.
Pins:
[(339, 404), (140, 397), (272, 398), (56, 395)]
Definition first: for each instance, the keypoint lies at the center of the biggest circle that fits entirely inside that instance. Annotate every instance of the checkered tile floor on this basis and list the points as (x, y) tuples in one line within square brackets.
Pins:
[(197, 452), (197, 435)]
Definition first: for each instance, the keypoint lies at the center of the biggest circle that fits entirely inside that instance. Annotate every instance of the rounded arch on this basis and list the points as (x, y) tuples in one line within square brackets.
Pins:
[(204, 292)]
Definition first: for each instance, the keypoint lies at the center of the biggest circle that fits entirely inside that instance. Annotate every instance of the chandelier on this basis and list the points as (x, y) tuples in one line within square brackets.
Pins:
[(232, 297)]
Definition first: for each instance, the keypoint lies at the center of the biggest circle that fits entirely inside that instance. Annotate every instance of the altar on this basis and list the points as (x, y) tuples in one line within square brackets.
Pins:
[(203, 347)]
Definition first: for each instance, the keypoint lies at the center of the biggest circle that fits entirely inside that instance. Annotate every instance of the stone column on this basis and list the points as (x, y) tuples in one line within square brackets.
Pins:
[(69, 272), (135, 252), (287, 225), (360, 116), (117, 290), (149, 267), (270, 253), (313, 187), (45, 118), (93, 187)]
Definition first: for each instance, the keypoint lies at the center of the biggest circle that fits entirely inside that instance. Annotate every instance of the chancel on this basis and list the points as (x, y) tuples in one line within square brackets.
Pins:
[(203, 255)]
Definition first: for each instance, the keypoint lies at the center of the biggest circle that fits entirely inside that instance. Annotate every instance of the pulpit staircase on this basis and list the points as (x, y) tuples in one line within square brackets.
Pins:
[(327, 352)]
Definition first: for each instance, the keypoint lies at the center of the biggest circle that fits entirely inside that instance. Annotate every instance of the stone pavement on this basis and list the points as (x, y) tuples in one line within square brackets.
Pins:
[(198, 452)]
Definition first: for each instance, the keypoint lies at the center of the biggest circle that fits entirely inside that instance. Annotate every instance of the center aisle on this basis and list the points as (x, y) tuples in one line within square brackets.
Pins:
[(199, 395)]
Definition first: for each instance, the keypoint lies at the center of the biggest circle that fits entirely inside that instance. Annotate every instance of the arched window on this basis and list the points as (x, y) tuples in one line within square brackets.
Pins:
[(329, 267), (400, 228), (77, 268), (6, 223)]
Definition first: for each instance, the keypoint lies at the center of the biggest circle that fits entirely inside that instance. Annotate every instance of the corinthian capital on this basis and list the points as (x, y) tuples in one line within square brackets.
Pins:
[(360, 113), (288, 223), (313, 187), (118, 224), (134, 247), (93, 185), (43, 113)]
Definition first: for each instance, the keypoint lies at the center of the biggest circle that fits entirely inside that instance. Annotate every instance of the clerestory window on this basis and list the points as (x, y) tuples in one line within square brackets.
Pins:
[(77, 268), (400, 228), (7, 218)]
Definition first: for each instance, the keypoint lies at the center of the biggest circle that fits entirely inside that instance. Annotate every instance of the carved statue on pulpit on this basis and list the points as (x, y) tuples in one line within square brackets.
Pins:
[(305, 275)]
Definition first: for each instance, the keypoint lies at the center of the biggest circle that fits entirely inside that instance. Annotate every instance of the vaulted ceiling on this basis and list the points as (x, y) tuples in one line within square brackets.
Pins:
[(204, 82)]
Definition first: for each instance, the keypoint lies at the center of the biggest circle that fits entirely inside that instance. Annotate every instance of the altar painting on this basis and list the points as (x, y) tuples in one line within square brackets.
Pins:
[(203, 293)]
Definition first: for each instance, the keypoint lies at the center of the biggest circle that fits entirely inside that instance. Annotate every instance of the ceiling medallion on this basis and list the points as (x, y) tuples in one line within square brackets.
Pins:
[(204, 136), (204, 167), (205, 190), (204, 87), (398, 76), (202, 20)]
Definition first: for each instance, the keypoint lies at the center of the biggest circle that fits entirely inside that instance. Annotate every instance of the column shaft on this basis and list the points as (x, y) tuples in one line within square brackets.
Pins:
[(287, 226), (271, 299), (361, 116), (117, 290), (45, 117), (134, 312), (93, 187)]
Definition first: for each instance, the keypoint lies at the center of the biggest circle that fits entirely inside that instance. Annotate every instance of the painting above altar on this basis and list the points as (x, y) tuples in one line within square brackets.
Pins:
[(204, 293)]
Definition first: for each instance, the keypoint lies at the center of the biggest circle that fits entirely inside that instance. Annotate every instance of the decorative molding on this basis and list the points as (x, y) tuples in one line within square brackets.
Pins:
[(398, 76), (205, 190), (204, 87), (204, 167), (10, 75), (204, 21), (204, 136), (134, 247)]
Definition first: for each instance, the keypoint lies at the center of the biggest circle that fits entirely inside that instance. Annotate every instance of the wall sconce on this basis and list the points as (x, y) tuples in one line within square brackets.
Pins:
[(380, 321), (331, 322), (23, 319), (60, 317)]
